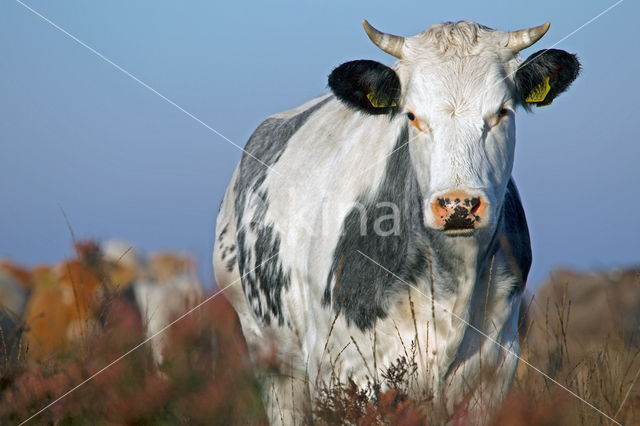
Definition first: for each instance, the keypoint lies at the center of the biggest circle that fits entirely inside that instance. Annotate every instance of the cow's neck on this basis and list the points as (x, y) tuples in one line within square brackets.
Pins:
[(456, 268), (455, 261)]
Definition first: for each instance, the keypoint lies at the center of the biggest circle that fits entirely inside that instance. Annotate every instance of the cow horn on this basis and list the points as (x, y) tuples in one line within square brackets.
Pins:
[(391, 44), (522, 39)]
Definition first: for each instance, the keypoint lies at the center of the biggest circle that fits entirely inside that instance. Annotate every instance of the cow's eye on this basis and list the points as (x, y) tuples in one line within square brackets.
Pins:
[(415, 122), (497, 118)]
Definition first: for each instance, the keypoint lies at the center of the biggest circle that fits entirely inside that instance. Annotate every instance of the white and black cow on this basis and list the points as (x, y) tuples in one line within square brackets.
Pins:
[(348, 214)]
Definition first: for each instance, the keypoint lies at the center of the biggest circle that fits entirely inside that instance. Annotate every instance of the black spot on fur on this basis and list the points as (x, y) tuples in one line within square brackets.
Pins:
[(561, 67), (228, 251), (223, 232), (231, 263), (271, 277), (516, 231), (357, 82), (360, 287), (248, 279)]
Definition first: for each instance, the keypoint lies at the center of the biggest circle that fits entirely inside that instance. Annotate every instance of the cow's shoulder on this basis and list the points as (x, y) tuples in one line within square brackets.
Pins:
[(269, 141), (377, 248)]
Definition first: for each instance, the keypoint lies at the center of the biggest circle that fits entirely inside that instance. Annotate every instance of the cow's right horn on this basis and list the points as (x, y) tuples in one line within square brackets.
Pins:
[(391, 44)]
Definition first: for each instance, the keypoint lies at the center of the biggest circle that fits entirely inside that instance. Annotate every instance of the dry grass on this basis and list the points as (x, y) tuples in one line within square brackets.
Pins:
[(207, 379), (601, 364)]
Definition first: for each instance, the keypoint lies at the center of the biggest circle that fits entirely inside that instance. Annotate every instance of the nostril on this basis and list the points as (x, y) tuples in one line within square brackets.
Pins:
[(475, 205)]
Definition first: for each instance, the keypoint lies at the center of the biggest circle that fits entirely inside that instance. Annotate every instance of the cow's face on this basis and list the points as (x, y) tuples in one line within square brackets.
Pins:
[(457, 87)]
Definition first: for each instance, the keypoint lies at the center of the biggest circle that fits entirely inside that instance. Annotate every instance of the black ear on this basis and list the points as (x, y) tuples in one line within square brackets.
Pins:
[(544, 75), (367, 86)]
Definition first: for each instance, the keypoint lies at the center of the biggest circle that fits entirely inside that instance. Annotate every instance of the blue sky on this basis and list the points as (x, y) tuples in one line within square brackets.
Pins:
[(78, 135)]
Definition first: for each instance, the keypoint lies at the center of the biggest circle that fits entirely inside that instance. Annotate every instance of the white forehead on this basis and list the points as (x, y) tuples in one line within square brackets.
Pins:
[(462, 66)]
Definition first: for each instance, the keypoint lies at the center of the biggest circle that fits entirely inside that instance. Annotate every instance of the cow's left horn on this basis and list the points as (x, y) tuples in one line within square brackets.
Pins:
[(522, 39), (391, 44)]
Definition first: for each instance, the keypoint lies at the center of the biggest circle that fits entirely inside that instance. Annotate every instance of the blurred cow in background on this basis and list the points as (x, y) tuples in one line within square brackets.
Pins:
[(164, 287), (60, 306), (64, 303), (122, 264), (169, 289)]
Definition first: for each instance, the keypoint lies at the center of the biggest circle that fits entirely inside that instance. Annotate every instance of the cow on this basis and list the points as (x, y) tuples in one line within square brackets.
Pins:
[(169, 289), (67, 303), (62, 310), (383, 218), (162, 286), (122, 264)]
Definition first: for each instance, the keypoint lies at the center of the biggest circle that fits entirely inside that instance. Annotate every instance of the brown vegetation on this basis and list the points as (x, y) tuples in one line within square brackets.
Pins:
[(580, 332)]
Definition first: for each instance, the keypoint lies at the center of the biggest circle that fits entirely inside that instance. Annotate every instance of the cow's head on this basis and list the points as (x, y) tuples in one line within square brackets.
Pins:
[(457, 85)]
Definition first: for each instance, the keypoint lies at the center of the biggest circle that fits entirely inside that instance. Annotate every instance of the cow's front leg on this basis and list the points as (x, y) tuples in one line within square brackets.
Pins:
[(286, 397)]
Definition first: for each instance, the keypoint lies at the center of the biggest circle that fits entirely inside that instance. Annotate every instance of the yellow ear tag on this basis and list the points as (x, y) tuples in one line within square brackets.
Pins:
[(377, 103), (540, 92)]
